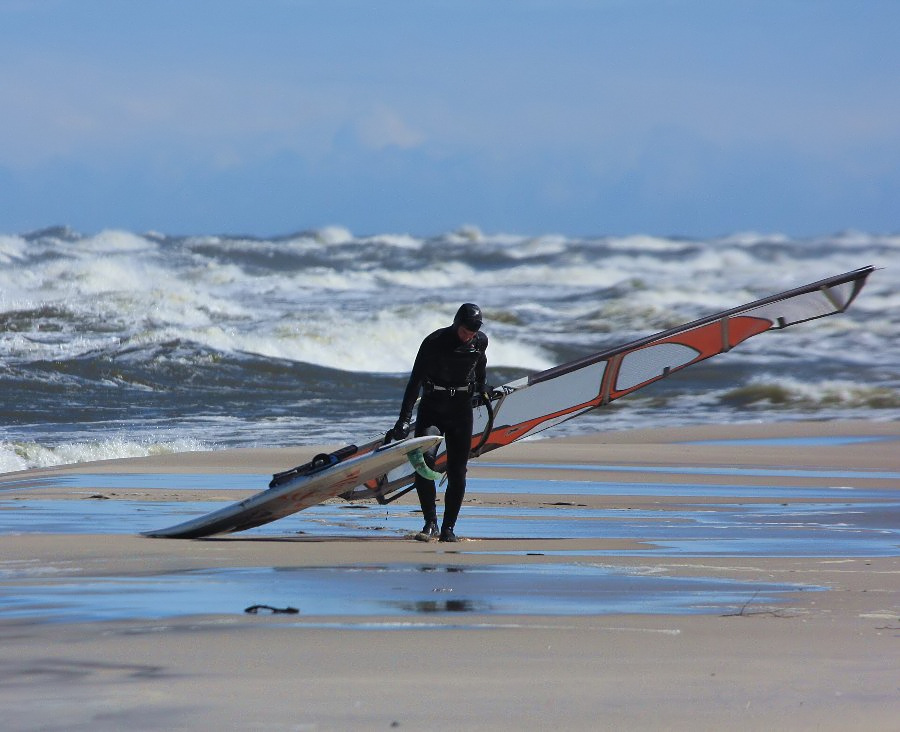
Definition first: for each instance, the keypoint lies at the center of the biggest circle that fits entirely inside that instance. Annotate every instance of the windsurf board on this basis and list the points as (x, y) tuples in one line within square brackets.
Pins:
[(307, 485)]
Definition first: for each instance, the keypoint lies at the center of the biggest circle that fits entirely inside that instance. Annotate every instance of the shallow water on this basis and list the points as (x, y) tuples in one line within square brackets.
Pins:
[(147, 481), (828, 474), (837, 522), (819, 441), (390, 590), (818, 530), (532, 486)]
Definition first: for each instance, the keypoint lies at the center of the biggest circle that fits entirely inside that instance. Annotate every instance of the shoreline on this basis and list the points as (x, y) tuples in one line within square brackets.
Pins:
[(823, 659)]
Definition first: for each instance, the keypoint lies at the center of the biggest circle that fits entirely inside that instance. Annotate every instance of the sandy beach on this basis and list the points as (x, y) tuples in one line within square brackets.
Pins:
[(741, 577)]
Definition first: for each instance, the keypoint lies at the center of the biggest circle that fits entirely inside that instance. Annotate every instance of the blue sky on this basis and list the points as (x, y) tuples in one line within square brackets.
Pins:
[(665, 117)]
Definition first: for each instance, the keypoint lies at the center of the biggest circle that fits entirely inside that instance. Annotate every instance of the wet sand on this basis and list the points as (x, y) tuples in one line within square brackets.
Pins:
[(821, 654)]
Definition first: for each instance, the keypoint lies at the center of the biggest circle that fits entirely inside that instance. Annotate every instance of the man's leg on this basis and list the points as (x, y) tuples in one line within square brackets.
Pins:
[(427, 498), (458, 440), (425, 488)]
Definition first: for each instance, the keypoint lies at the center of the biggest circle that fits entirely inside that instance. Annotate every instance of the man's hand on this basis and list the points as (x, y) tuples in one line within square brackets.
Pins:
[(401, 430), (487, 394)]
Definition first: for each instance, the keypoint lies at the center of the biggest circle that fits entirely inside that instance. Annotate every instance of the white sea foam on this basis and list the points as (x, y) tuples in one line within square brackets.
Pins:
[(383, 342), (399, 241), (11, 248), (114, 241), (23, 455), (132, 315), (791, 392), (647, 243)]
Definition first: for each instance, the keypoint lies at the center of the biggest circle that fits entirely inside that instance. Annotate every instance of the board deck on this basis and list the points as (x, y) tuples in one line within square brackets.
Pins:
[(298, 489)]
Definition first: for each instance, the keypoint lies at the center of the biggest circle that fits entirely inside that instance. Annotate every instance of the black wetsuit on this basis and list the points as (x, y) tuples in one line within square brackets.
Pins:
[(449, 373)]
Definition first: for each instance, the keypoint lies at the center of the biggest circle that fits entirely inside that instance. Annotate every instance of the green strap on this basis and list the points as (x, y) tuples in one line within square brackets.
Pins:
[(417, 460)]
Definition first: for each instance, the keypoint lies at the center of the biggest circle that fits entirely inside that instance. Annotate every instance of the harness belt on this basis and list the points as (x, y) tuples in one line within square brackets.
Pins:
[(452, 391)]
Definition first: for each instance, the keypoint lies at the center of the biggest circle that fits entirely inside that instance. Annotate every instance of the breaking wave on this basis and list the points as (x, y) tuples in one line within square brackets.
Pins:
[(118, 343)]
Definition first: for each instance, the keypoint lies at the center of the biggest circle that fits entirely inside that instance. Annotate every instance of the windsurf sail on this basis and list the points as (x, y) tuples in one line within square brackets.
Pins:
[(542, 400), (550, 397)]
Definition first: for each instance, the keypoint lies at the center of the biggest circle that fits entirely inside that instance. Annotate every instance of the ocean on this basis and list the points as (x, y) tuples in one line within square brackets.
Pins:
[(121, 344)]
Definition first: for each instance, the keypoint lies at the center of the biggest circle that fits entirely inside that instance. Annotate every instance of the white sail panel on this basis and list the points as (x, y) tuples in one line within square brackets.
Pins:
[(653, 361)]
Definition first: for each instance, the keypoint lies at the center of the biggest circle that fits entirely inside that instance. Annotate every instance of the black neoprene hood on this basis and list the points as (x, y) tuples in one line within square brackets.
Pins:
[(469, 316)]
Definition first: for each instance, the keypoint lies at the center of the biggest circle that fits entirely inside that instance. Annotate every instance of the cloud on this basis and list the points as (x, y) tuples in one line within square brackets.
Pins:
[(383, 127)]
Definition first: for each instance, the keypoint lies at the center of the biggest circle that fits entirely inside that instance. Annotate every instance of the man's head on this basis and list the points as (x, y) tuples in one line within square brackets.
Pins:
[(467, 321)]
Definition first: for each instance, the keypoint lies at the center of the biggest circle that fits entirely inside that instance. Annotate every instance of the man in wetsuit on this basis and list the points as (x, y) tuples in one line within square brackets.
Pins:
[(449, 370)]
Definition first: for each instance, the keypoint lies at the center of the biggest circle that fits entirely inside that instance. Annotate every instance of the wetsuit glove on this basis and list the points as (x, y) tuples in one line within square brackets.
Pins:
[(485, 395), (401, 430)]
